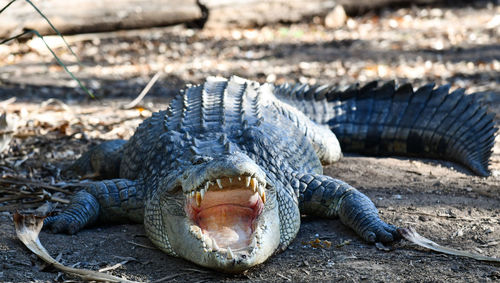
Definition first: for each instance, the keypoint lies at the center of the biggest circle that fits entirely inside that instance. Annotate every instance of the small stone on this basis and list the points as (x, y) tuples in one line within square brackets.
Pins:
[(381, 247), (496, 174), (422, 218), (397, 197), (336, 18), (271, 78)]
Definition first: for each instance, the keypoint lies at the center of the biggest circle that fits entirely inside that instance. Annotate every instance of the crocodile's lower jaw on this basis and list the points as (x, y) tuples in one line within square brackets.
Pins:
[(224, 216)]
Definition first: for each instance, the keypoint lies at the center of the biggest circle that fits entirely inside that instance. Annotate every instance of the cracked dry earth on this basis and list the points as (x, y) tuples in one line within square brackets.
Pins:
[(443, 201)]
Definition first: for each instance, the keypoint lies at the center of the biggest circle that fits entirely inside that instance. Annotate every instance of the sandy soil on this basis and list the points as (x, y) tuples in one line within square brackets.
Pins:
[(442, 200)]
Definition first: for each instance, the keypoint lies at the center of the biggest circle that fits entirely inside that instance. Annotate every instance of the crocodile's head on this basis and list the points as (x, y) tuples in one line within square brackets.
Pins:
[(229, 219)]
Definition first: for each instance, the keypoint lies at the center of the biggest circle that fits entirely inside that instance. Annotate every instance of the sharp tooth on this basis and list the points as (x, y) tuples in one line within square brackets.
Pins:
[(219, 183), (198, 198), (248, 180), (204, 239), (202, 193), (196, 231), (253, 183), (261, 190), (192, 193), (230, 254), (262, 193), (239, 178), (215, 247), (230, 180), (206, 186)]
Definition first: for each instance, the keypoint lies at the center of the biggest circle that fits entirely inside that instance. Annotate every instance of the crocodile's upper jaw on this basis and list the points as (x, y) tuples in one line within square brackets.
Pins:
[(230, 222)]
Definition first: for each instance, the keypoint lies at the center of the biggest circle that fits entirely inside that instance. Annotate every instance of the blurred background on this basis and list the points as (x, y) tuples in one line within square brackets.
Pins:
[(123, 43), (49, 121)]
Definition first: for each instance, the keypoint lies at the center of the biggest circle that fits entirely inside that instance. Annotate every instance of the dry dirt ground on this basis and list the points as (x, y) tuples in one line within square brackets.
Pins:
[(443, 201)]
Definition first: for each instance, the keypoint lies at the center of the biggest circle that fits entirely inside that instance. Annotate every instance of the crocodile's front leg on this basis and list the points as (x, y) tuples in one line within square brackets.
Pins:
[(324, 196), (106, 201)]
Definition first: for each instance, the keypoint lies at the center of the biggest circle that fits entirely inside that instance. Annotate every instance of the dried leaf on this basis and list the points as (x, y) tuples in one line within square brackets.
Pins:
[(7, 128), (317, 243), (53, 104), (411, 235), (27, 229)]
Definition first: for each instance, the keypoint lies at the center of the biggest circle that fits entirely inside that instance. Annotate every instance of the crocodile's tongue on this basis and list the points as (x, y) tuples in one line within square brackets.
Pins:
[(226, 216), (229, 225)]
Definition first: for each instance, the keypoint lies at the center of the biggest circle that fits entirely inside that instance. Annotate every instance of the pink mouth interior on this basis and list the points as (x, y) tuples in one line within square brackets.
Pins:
[(227, 216)]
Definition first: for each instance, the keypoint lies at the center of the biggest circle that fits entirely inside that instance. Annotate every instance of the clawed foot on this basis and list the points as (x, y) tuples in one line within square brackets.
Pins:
[(358, 212), (379, 231)]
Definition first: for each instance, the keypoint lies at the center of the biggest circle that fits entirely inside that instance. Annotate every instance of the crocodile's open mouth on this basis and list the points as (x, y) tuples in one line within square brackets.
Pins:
[(224, 212)]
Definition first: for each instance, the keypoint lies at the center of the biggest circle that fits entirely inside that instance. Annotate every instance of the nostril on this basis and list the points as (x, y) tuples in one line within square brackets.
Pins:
[(196, 160)]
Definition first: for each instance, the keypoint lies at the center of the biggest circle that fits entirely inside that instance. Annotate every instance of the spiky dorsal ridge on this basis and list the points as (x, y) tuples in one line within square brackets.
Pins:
[(215, 113)]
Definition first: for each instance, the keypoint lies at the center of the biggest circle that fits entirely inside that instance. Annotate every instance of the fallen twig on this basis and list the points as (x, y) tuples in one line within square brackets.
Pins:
[(27, 229), (284, 277), (113, 267), (169, 277), (141, 245), (411, 235), (14, 206), (196, 270), (23, 181), (30, 197), (143, 93), (11, 197), (490, 244), (61, 200)]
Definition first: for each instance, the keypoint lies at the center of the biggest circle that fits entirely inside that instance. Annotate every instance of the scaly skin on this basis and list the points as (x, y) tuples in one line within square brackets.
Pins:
[(222, 177), (385, 120)]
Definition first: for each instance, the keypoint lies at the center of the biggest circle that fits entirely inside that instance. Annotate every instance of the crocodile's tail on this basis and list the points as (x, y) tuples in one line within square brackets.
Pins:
[(388, 120)]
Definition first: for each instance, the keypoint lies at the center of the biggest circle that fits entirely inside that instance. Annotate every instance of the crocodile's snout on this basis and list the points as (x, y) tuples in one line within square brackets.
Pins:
[(231, 216)]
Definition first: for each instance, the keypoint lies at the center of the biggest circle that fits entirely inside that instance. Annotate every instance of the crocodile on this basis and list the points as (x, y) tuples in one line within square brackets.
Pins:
[(222, 177)]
